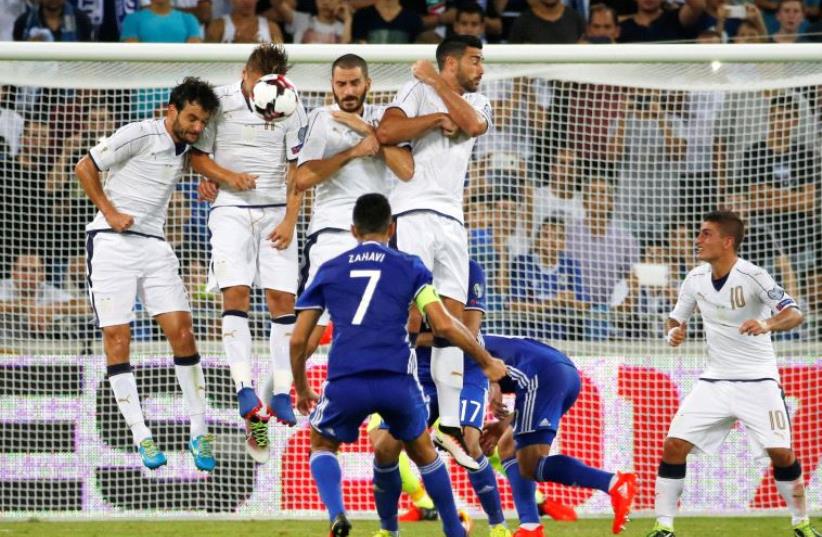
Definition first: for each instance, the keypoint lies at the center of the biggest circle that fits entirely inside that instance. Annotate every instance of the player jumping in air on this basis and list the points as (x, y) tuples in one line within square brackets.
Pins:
[(127, 256), (740, 306), (371, 366)]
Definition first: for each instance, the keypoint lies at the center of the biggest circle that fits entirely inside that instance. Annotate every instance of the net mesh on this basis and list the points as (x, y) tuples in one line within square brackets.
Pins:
[(638, 152)]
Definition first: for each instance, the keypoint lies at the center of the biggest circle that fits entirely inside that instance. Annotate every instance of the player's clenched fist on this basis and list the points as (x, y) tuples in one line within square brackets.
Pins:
[(368, 147), (754, 327), (207, 190), (495, 370), (424, 71), (676, 336), (241, 181), (118, 221), (306, 400)]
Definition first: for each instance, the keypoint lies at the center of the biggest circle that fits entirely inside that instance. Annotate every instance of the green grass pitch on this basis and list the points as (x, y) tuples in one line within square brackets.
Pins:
[(686, 527)]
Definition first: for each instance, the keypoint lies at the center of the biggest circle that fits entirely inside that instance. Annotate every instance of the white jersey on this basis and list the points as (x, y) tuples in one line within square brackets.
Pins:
[(334, 198), (440, 162), (243, 142), (748, 293), (144, 166)]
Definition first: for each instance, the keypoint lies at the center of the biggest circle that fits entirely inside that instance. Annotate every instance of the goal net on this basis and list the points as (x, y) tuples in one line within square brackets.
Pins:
[(582, 205)]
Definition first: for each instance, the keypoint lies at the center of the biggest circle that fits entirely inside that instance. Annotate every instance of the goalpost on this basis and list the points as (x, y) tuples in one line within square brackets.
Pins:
[(634, 139)]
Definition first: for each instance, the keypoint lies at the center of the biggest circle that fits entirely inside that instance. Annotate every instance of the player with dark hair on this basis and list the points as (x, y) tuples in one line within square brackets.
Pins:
[(441, 114), (252, 222), (127, 256)]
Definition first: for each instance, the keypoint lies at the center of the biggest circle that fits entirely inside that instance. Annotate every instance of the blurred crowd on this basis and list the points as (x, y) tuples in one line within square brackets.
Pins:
[(411, 21), (582, 203)]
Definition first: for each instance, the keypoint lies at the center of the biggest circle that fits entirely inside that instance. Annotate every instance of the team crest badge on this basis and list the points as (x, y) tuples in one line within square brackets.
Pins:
[(776, 293), (478, 290)]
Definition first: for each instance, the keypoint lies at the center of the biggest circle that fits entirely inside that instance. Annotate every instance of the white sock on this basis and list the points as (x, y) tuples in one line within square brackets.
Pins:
[(279, 344), (668, 492), (793, 492), (529, 526), (237, 347), (192, 381), (446, 369), (124, 386)]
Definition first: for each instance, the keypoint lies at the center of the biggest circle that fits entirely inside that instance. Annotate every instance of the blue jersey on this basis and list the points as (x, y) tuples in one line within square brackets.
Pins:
[(367, 291), (524, 357), (476, 301)]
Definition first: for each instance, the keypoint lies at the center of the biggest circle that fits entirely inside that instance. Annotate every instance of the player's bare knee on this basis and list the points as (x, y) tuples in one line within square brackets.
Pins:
[(421, 451), (116, 341), (279, 303), (505, 446), (781, 457), (527, 464), (236, 298), (675, 450), (321, 443)]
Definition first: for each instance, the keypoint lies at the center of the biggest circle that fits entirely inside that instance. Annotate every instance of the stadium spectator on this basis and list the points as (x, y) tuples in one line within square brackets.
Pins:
[(491, 22), (25, 208), (160, 23), (779, 192), (29, 305), (546, 285), (469, 19), (718, 17), (386, 22), (11, 126), (790, 15), (243, 25), (605, 250), (561, 196), (645, 144), (653, 23), (331, 24), (603, 25), (9, 11), (751, 32), (52, 20), (548, 22)]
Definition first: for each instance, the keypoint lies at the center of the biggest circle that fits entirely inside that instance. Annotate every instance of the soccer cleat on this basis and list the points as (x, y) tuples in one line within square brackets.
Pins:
[(536, 532), (416, 514), (341, 527), (386, 533), (152, 457), (450, 439), (805, 529), (557, 511), (622, 497), (282, 410), (256, 440), (661, 531), (499, 530), (202, 449), (467, 523), (250, 405)]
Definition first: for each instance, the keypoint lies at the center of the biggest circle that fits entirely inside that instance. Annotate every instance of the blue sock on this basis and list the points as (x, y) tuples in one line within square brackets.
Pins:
[(523, 491), (325, 468), (569, 471), (387, 491), (438, 485), (484, 482)]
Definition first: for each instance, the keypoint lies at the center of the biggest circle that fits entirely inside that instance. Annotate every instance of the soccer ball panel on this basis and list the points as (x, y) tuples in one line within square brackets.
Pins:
[(274, 98)]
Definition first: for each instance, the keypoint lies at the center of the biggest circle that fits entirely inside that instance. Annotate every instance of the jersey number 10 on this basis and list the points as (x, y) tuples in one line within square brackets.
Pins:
[(737, 297)]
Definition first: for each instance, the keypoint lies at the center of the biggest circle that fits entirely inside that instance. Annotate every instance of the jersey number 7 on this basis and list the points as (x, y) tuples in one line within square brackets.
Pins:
[(373, 278)]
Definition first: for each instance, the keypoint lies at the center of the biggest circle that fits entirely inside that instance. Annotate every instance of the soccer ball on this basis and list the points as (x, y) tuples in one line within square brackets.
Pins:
[(274, 98)]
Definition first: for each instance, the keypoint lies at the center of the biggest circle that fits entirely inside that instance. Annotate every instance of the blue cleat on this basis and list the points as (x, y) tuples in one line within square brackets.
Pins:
[(282, 410), (202, 449), (152, 457), (250, 404)]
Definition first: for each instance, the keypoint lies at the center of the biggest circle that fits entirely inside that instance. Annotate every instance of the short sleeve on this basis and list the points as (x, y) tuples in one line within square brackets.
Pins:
[(771, 294), (476, 288), (192, 26), (119, 147), (295, 130), (483, 107), (410, 98), (131, 27), (312, 297), (316, 137), (685, 304)]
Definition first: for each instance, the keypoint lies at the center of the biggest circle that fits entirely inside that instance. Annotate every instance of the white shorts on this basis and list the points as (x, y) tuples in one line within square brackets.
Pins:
[(708, 413), (319, 248), (442, 244), (241, 253), (122, 266)]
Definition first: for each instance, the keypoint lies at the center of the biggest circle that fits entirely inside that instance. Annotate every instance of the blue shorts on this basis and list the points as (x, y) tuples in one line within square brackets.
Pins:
[(472, 404), (347, 401), (541, 401)]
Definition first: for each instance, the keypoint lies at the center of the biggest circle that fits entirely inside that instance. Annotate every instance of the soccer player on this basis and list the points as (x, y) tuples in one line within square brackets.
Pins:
[(441, 114), (127, 256), (252, 225), (740, 305), (546, 384), (342, 159), (472, 407), (371, 366)]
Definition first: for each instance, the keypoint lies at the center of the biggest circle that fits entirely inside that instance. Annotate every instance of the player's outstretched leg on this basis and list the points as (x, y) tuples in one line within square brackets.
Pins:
[(670, 482), (281, 327), (327, 474)]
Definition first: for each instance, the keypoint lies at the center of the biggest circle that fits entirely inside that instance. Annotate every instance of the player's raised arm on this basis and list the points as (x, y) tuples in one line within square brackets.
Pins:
[(460, 111), (399, 160), (204, 165), (396, 126), (283, 233), (444, 325), (787, 316)]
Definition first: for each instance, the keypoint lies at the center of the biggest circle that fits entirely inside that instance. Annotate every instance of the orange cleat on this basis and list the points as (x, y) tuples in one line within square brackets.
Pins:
[(557, 511), (522, 532), (416, 514), (622, 497), (467, 523)]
